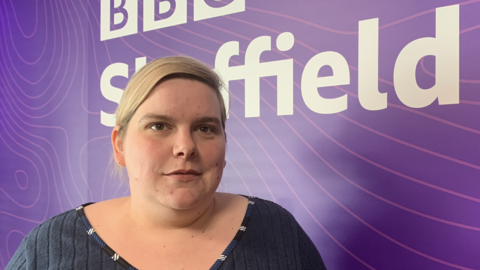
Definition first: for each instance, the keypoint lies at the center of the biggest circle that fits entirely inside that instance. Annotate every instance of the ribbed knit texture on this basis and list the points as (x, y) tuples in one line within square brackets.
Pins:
[(273, 240)]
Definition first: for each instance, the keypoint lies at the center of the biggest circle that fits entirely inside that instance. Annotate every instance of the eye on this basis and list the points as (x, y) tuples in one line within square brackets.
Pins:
[(158, 126), (205, 129)]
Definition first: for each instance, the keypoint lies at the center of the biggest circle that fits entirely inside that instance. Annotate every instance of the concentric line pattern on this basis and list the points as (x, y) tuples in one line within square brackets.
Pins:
[(391, 189)]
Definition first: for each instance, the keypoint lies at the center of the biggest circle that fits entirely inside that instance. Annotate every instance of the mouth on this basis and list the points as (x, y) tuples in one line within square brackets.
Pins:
[(184, 175), (184, 172)]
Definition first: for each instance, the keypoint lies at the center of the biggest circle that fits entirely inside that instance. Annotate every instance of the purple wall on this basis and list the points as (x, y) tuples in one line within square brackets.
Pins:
[(386, 182)]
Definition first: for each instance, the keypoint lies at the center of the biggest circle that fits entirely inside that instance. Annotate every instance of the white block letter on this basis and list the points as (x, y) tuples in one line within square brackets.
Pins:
[(223, 69), (111, 93), (140, 62), (368, 94), (311, 81), (179, 16), (106, 9), (445, 47), (253, 70)]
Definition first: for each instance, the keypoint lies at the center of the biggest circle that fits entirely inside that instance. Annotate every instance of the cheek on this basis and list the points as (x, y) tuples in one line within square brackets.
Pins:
[(212, 156), (145, 155), (155, 154), (216, 154), (218, 160)]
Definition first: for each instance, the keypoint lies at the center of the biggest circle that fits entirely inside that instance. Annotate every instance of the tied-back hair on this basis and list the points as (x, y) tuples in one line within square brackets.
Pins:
[(156, 72)]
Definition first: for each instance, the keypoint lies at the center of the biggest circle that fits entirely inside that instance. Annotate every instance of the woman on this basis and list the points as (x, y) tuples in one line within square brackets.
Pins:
[(170, 137)]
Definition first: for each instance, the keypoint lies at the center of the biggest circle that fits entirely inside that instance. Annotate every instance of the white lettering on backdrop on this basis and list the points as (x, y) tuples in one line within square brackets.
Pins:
[(127, 12), (444, 46)]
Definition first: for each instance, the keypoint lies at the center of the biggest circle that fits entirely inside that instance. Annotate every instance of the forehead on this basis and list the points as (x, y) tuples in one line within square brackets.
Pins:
[(182, 98)]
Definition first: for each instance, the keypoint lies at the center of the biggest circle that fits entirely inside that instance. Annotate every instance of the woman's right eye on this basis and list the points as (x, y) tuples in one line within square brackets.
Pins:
[(158, 126)]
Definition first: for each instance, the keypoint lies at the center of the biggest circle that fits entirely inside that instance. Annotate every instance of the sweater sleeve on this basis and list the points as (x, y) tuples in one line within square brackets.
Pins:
[(309, 255), (18, 260)]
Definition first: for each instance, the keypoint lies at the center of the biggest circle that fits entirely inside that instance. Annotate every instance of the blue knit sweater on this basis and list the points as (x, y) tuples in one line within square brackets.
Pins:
[(272, 240)]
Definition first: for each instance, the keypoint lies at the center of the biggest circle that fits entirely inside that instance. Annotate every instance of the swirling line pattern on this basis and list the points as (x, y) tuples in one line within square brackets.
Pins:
[(391, 189)]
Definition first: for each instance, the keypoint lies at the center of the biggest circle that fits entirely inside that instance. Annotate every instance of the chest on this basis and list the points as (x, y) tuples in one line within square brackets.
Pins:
[(198, 249)]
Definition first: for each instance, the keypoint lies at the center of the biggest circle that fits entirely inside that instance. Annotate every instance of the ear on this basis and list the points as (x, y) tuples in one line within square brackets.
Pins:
[(117, 143)]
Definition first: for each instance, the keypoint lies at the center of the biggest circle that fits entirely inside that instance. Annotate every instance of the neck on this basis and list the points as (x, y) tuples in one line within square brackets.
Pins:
[(157, 217)]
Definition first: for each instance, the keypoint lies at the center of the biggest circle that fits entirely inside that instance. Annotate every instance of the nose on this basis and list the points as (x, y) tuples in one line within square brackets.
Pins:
[(184, 145)]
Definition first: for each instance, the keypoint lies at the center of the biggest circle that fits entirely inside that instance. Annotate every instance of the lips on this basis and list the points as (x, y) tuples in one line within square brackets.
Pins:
[(184, 172), (184, 175)]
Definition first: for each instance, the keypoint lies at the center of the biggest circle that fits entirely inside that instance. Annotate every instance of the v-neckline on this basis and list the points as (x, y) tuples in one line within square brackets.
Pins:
[(99, 241)]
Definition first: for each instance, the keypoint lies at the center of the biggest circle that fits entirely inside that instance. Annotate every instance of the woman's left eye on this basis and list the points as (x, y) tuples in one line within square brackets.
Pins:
[(205, 129), (158, 126)]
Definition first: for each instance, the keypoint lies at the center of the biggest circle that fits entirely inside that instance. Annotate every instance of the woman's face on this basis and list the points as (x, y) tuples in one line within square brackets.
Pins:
[(174, 146)]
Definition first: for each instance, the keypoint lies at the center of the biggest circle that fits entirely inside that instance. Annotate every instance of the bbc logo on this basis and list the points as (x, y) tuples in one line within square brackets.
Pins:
[(127, 10)]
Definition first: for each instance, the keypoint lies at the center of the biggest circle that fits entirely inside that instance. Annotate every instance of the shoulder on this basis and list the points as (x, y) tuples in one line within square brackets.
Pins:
[(41, 239), (53, 228), (286, 233), (273, 239), (269, 218), (270, 210)]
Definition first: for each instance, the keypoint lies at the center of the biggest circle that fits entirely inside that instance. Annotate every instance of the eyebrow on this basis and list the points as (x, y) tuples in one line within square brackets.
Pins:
[(159, 117), (209, 119)]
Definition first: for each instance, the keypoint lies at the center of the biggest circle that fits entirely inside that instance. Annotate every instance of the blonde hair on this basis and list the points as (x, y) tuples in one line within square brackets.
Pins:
[(156, 72)]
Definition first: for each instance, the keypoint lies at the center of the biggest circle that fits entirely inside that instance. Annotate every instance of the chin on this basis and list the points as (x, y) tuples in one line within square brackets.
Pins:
[(184, 199)]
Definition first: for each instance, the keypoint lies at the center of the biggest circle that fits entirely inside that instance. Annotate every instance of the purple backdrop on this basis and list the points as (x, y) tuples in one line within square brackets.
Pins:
[(394, 188)]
